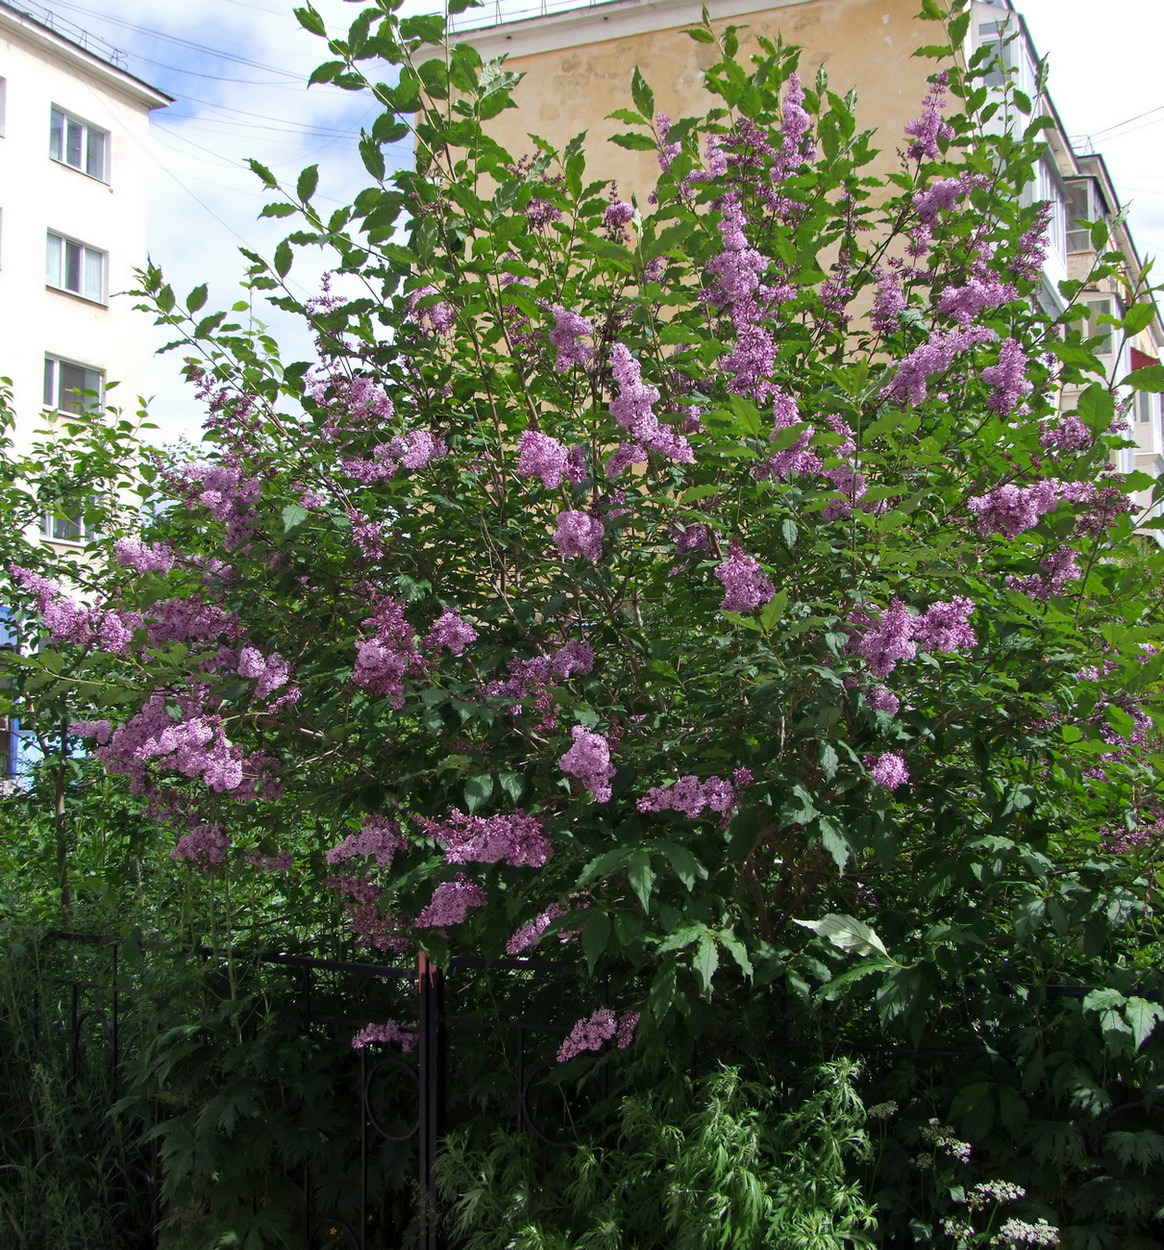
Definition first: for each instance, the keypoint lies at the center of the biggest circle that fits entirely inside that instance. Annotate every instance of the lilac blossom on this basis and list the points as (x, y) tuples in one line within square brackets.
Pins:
[(1068, 434), (589, 760), (963, 303), (888, 770), (623, 456), (567, 335), (270, 672), (927, 129), (617, 215), (691, 797), (889, 302), (667, 151), (945, 626), (633, 409), (379, 837), (579, 534), (205, 846), (542, 457), (541, 213), (384, 659), (745, 587), (430, 314), (1014, 509), (592, 1032), (451, 632), (530, 933), (889, 640), (1007, 378), (882, 699), (936, 355), (1058, 568), (145, 557), (226, 494), (450, 903), (515, 839), (388, 1033)]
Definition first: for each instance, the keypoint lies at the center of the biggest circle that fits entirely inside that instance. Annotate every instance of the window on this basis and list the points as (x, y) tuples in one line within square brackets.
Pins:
[(79, 145), (73, 266), (1097, 308), (3, 102), (1010, 56), (67, 525), (1084, 204), (69, 387)]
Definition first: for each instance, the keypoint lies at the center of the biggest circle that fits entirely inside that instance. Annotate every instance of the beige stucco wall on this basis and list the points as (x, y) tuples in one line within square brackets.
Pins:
[(39, 194), (576, 72)]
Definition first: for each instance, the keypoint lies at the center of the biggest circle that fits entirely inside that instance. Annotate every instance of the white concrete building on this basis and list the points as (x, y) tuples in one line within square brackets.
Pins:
[(74, 172)]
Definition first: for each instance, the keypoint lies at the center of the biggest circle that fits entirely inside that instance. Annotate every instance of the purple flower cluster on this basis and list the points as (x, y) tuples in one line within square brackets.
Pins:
[(591, 1033), (451, 632), (410, 451), (1068, 434), (887, 770), (388, 1033), (693, 797), (383, 661), (1014, 509), (936, 355), (963, 303), (226, 494), (542, 457), (896, 634), (889, 302), (530, 933), (69, 622), (745, 588), (567, 335), (450, 903), (430, 314), (145, 558), (633, 409), (579, 534), (378, 837), (270, 672), (1008, 378), (927, 129), (1058, 568), (589, 760), (205, 846), (882, 699), (515, 839)]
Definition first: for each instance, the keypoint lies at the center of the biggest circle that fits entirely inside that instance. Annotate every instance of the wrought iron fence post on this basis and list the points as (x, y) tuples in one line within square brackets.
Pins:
[(430, 985)]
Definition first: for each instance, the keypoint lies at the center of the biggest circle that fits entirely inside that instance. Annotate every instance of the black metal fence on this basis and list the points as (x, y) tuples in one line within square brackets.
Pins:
[(399, 1104)]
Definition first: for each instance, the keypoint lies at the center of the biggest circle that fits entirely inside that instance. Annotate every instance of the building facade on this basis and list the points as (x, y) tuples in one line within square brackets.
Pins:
[(74, 172), (577, 59)]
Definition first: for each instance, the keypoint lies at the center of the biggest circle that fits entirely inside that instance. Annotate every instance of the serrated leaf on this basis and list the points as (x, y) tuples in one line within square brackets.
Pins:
[(634, 143), (269, 179), (1142, 1017), (738, 951), (705, 961), (282, 258), (662, 992), (848, 933), (196, 298), (478, 791), (307, 182), (1150, 378)]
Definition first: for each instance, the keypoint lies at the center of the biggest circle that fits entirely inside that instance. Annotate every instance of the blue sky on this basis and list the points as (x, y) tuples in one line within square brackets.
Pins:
[(239, 68)]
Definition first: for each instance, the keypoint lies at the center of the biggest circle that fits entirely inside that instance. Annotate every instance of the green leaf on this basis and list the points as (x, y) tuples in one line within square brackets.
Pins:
[(293, 515), (685, 865), (308, 181), (635, 143), (1143, 1017), (642, 94), (282, 258), (847, 933), (1150, 378), (705, 961), (268, 178), (662, 992), (310, 20), (478, 791), (1139, 317), (595, 935), (641, 876), (196, 298), (737, 950)]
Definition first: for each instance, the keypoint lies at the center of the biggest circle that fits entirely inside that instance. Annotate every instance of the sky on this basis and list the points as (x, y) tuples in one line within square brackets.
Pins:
[(239, 68)]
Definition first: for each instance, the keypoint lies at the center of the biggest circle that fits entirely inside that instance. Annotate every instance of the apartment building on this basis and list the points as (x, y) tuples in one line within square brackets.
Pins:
[(74, 171), (578, 56)]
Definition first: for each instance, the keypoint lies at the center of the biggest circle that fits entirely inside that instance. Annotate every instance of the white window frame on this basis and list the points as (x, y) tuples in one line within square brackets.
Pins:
[(1096, 308), (78, 144), (1082, 194), (63, 395), (76, 267), (61, 526)]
